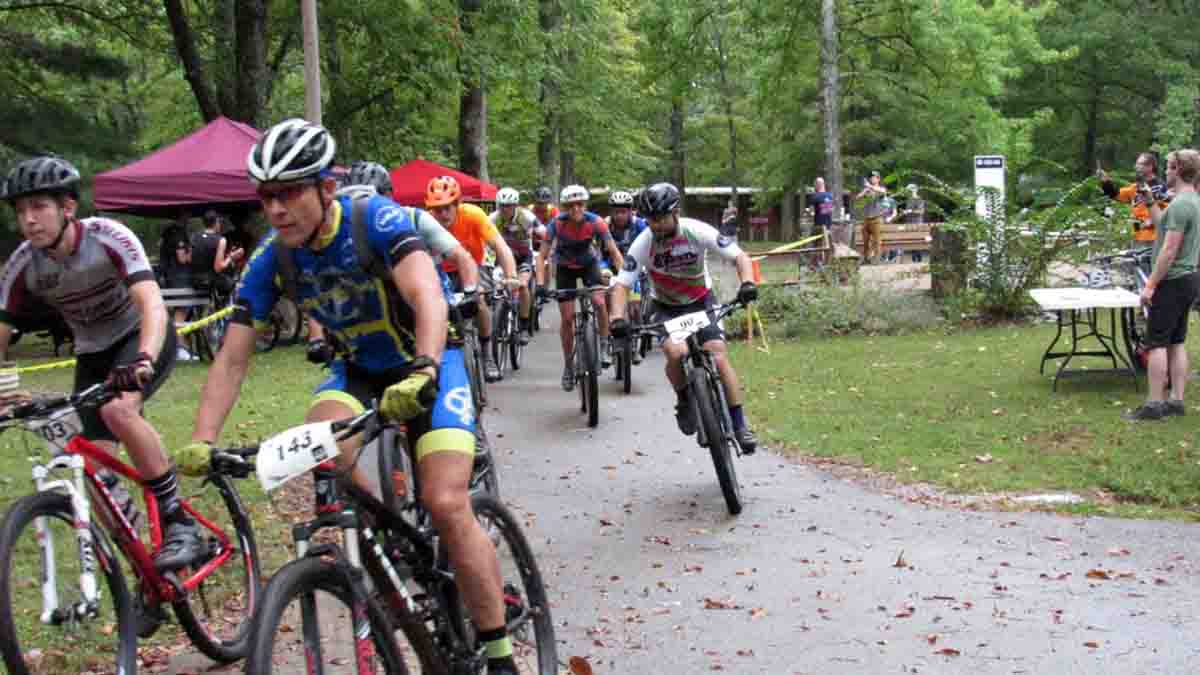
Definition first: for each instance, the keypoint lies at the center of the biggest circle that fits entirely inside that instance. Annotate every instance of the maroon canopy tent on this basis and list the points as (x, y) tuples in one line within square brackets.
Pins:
[(204, 169), (410, 180)]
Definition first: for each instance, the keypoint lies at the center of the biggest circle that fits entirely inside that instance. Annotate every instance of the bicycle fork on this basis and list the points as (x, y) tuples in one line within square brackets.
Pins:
[(81, 516)]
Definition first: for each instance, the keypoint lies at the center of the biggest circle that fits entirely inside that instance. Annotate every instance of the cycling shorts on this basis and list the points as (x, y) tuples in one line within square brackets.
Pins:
[(568, 277), (713, 331), (524, 262), (448, 426), (95, 368)]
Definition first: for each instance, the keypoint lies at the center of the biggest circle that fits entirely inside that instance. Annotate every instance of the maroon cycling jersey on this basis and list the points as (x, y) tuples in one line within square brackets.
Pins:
[(90, 288), (575, 244)]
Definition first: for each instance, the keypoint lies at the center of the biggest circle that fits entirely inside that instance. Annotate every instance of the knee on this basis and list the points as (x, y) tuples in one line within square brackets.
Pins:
[(120, 412), (447, 505)]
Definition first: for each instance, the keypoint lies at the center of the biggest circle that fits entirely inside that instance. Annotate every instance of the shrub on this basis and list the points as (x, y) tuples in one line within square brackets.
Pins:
[(821, 309)]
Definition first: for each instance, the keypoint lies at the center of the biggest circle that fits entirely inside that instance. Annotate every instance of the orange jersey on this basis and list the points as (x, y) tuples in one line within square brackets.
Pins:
[(472, 229)]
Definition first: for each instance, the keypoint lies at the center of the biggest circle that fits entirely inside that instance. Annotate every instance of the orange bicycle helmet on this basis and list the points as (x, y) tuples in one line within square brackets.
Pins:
[(442, 190)]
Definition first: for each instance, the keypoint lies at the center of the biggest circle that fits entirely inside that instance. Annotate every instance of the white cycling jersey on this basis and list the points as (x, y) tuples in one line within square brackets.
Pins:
[(678, 265)]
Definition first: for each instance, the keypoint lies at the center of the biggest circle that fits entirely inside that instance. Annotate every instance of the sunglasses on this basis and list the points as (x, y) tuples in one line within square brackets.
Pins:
[(284, 193)]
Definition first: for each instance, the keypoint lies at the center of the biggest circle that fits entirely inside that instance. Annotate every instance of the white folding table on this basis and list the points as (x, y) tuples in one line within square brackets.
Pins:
[(1079, 307)]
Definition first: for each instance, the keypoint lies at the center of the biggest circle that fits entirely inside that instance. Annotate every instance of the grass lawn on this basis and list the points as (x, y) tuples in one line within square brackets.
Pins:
[(274, 397), (970, 413)]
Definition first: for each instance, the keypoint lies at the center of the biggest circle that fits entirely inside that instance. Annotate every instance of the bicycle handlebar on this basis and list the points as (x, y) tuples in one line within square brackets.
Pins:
[(718, 313), (95, 395)]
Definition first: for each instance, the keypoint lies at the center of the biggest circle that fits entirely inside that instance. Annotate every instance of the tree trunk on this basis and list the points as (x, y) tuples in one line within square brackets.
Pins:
[(549, 20), (225, 61), (830, 94), (472, 104), (675, 142), (1093, 122), (193, 67), (727, 103), (251, 60), (566, 132)]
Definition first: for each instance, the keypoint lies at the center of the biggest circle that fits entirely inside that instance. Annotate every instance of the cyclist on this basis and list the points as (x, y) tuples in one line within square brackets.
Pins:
[(394, 331), (95, 273), (471, 227), (372, 178), (571, 238), (544, 210), (520, 229), (674, 253), (625, 226)]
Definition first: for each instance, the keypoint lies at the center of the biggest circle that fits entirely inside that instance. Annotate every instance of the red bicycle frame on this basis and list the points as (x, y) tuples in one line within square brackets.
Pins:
[(161, 588)]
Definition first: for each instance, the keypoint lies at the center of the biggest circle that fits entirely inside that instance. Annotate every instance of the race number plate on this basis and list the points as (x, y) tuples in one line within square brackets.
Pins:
[(681, 327), (58, 429), (294, 452)]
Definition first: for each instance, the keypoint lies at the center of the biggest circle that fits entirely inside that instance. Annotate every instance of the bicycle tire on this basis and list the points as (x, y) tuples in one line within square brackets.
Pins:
[(485, 472), (500, 337), (21, 515), (626, 364), (304, 577), (268, 339), (516, 348), (530, 599), (474, 371), (215, 646), (715, 439), (1133, 327), (591, 375)]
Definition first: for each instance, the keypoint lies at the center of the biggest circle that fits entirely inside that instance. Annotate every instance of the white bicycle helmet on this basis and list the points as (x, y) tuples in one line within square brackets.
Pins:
[(508, 197), (620, 198), (573, 193), (291, 150)]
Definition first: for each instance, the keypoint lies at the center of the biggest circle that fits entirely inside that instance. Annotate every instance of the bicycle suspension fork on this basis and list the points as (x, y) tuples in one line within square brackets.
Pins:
[(81, 518)]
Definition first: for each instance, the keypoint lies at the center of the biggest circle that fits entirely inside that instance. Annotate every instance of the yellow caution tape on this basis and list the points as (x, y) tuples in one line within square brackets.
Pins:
[(788, 247), (189, 328)]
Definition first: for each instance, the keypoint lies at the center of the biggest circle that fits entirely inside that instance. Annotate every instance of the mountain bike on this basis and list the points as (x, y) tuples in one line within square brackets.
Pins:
[(585, 354), (341, 604), (1129, 270), (706, 394), (507, 348), (623, 350), (535, 307), (51, 598), (465, 334)]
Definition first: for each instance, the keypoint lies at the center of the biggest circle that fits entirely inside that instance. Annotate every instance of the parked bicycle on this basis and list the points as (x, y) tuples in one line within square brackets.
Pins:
[(51, 598), (585, 354), (706, 395), (1127, 269), (341, 604)]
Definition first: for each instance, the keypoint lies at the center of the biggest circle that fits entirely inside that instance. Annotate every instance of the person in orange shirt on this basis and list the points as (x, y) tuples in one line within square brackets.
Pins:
[(475, 231), (1146, 173)]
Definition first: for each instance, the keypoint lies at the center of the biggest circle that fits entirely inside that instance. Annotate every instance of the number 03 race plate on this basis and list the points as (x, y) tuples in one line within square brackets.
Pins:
[(294, 452), (681, 327)]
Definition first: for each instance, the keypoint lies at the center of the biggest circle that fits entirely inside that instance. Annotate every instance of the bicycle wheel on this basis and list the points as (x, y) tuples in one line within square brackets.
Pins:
[(500, 336), (1134, 327), (516, 347), (591, 360), (74, 642), (625, 364), (485, 474), (267, 338), (312, 620), (474, 371), (218, 614), (526, 606), (715, 439)]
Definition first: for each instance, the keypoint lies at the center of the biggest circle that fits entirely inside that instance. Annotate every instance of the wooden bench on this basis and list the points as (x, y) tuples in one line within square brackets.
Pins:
[(898, 237), (194, 301)]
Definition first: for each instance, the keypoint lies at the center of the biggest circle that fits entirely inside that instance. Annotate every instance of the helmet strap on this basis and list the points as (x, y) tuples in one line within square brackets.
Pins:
[(324, 218)]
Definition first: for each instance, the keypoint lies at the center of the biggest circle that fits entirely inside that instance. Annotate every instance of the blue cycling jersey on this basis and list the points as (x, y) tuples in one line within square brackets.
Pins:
[(371, 321), (625, 237)]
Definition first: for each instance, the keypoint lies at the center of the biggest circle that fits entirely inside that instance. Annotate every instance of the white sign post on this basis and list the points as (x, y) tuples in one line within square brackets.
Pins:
[(989, 176)]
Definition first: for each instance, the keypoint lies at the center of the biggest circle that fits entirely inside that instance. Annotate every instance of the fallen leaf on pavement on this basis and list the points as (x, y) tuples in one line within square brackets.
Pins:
[(579, 666), (900, 561), (948, 651), (1118, 551), (932, 638), (758, 613), (1092, 644), (715, 603), (1099, 574)]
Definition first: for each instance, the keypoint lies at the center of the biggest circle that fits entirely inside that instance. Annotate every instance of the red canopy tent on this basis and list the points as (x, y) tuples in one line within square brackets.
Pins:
[(204, 169), (410, 180)]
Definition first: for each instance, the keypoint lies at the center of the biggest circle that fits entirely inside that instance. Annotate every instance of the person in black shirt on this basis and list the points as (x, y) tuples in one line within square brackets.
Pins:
[(211, 256), (822, 204)]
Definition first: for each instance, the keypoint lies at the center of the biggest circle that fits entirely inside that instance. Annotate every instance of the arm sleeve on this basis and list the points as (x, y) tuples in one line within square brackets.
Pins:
[(1126, 194), (716, 242), (391, 232), (13, 292), (437, 238), (487, 230), (635, 259), (124, 249), (602, 231), (257, 292)]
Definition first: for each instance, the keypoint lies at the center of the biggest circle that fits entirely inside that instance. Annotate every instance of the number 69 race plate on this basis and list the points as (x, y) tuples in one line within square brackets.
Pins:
[(294, 452), (681, 327)]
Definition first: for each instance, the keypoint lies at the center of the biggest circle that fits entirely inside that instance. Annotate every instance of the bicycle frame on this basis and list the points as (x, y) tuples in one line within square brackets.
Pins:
[(85, 459)]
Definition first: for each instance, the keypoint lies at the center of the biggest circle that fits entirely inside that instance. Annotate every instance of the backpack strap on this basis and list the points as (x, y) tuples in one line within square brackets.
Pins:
[(286, 268), (367, 257)]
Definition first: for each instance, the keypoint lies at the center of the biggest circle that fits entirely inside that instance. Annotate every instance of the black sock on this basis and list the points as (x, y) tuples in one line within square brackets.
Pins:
[(166, 492), (682, 395), (483, 343), (738, 417)]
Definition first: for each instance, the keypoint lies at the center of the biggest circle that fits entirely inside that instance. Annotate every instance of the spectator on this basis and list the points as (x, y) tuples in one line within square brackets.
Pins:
[(1172, 287), (175, 259), (1145, 174), (729, 221), (873, 213), (212, 257), (822, 204)]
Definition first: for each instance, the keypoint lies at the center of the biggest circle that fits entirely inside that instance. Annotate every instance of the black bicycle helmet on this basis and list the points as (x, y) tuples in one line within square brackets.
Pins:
[(658, 200), (370, 173), (543, 195), (291, 150), (41, 174)]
